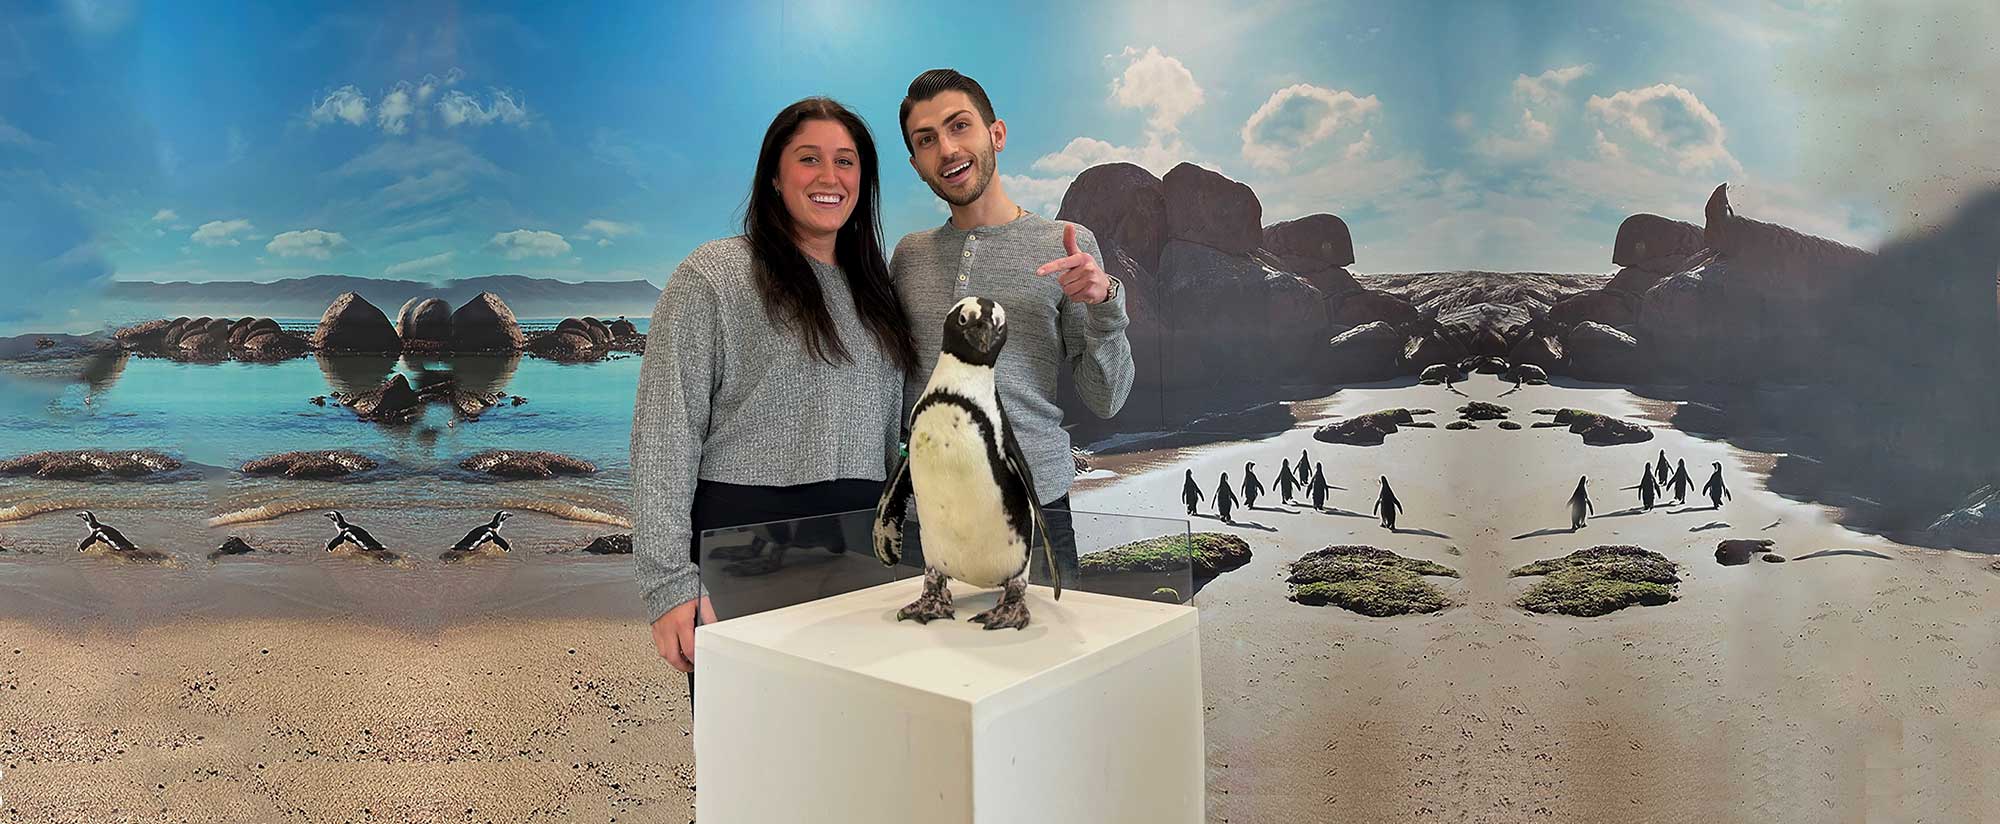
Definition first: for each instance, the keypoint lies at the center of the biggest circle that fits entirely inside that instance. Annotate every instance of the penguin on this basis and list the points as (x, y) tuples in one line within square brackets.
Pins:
[(1225, 499), (976, 501), (354, 533), (1387, 505), (1714, 489), (103, 532), (1251, 486), (1579, 505), (1648, 490), (1318, 488), (1663, 471), (1191, 492), (1303, 464), (1285, 481), (1680, 481), (489, 531)]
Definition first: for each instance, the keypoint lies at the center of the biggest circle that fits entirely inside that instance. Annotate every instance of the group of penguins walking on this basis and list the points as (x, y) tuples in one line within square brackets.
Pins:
[(1291, 479), (1654, 482), (349, 533)]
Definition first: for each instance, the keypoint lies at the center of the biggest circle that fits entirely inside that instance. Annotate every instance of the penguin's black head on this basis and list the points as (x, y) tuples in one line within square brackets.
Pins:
[(334, 515), (85, 515), (975, 330), (504, 515)]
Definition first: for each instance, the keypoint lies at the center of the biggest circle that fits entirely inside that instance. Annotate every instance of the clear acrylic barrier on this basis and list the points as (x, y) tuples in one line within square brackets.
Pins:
[(758, 567)]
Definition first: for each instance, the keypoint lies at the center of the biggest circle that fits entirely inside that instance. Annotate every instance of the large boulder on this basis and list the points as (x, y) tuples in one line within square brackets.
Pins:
[(272, 344), (1485, 328), (512, 464), (352, 324), (393, 402), (425, 319), (1122, 205), (1207, 208), (1602, 353), (1369, 352), (565, 344), (485, 324), (1269, 319), (1607, 306), (1542, 351), (1369, 305), (1648, 239), (1312, 242), (248, 328)]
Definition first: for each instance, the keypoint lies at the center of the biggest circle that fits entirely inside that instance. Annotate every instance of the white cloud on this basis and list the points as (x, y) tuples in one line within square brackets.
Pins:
[(394, 113), (165, 216), (1539, 96), (345, 104), (309, 243), (1158, 82), (434, 263), (1534, 138), (1669, 120), (1297, 117), (1085, 152), (431, 84), (220, 232), (1040, 195), (522, 243), (606, 231), (1546, 88), (459, 108)]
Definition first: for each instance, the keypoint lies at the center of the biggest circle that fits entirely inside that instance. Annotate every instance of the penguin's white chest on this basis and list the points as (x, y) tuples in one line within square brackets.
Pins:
[(959, 505)]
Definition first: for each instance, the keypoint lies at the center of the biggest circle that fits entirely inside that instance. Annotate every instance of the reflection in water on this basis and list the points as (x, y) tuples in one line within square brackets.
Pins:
[(484, 374), (352, 374)]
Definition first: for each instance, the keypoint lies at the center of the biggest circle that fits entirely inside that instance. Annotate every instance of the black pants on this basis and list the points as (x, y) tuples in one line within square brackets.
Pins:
[(718, 505)]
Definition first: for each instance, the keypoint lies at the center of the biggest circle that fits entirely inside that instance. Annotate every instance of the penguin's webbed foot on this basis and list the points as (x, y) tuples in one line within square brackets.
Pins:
[(927, 608), (1008, 614)]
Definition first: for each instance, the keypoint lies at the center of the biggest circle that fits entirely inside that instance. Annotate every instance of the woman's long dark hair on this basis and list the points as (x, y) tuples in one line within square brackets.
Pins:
[(791, 290)]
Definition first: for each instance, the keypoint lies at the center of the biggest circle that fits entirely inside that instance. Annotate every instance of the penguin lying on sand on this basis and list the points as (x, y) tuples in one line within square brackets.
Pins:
[(976, 500)]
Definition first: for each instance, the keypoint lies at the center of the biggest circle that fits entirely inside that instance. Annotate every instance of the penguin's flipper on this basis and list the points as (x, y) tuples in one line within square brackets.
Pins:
[(502, 543), (1017, 463), (890, 513)]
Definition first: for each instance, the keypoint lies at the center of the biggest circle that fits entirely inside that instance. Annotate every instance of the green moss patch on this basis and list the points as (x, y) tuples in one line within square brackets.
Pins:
[(1367, 580), (1599, 580)]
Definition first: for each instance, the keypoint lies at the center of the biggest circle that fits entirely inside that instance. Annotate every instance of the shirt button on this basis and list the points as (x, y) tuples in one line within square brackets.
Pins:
[(968, 253)]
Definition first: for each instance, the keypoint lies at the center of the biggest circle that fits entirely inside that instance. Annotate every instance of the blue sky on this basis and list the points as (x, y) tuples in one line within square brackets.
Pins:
[(182, 142)]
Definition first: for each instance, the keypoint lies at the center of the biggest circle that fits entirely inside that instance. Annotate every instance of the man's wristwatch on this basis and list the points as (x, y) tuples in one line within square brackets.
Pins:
[(1111, 292)]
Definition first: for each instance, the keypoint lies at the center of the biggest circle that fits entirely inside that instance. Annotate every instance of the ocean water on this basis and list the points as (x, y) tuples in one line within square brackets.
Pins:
[(221, 415)]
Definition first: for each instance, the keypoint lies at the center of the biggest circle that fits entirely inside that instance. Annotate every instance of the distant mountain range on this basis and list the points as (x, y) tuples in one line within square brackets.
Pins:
[(529, 297)]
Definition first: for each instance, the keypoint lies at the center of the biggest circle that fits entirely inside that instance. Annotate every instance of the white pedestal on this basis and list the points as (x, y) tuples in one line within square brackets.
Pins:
[(833, 711)]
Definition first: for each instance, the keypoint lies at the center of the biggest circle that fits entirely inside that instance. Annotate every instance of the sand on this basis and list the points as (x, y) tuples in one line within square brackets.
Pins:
[(1841, 687), (1833, 688)]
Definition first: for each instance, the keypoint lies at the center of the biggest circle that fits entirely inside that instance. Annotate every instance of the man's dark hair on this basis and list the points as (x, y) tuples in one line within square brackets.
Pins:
[(933, 83)]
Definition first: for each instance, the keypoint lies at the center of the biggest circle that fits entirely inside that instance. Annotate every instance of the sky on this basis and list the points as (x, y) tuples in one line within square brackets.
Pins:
[(183, 142)]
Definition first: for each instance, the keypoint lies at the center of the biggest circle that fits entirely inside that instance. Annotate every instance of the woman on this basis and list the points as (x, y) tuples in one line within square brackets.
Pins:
[(773, 378)]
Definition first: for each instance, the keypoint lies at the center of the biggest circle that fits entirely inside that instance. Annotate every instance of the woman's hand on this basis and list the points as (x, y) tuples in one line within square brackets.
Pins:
[(673, 634)]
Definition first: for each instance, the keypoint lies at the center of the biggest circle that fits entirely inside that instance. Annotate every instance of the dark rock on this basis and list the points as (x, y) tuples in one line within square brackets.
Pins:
[(88, 463), (1207, 208), (1543, 352), (567, 344), (1776, 559), (483, 324), (610, 545), (1440, 372), (1648, 238), (1737, 551), (512, 464), (1482, 411), (311, 464), (622, 328), (1509, 425), (392, 402), (233, 546), (352, 324), (1460, 425), (1311, 242), (1370, 352), (424, 319), (1606, 306), (1364, 430), (1602, 353)]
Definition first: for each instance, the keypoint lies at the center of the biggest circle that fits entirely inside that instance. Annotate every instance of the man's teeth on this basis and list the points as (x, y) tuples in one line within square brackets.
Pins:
[(953, 171)]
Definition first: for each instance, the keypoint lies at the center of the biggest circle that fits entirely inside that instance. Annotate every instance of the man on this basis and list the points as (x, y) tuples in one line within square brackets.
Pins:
[(1061, 305)]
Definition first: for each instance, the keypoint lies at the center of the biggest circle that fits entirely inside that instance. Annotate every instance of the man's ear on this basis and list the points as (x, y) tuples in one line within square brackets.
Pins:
[(999, 130), (914, 167)]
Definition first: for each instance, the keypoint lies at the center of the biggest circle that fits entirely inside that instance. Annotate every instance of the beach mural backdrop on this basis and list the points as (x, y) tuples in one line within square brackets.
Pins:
[(1583, 412)]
